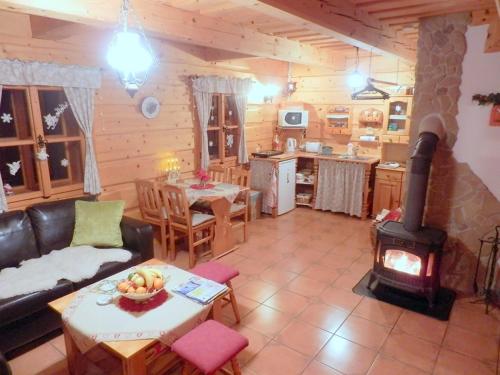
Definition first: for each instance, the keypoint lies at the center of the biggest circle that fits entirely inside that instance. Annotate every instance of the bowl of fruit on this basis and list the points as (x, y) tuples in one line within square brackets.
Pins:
[(142, 284)]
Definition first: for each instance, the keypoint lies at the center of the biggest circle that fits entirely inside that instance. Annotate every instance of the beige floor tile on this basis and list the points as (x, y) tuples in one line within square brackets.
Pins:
[(483, 348), (37, 360), (452, 363), (318, 368), (346, 356), (303, 337), (306, 286), (256, 342), (324, 316), (278, 359), (364, 332), (267, 320), (421, 326), (377, 311), (475, 320), (287, 302), (344, 299), (411, 350), (277, 276), (257, 290), (389, 366)]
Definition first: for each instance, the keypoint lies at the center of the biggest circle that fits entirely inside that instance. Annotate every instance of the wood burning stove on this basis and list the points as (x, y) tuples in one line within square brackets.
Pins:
[(408, 261), (408, 255)]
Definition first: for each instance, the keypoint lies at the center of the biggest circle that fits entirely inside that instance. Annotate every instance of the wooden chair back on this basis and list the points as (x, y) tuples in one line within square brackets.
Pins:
[(239, 176), (177, 205), (217, 173), (150, 203)]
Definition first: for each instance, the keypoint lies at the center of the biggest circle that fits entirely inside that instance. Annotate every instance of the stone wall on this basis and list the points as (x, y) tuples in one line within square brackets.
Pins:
[(457, 201)]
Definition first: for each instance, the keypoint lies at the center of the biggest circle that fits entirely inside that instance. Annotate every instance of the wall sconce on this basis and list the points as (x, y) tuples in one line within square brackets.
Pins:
[(291, 87)]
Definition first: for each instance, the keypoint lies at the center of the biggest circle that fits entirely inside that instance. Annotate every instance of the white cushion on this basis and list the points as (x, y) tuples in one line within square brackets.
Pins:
[(197, 219), (237, 207)]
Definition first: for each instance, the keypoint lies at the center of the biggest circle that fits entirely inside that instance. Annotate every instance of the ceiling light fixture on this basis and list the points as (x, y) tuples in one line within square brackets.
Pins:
[(355, 79), (130, 53)]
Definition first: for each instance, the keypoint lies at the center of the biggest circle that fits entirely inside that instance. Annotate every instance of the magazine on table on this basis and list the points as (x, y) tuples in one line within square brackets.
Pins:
[(200, 290)]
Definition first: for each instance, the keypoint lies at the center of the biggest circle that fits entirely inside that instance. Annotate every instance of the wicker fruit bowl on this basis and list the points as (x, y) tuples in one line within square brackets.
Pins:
[(142, 284)]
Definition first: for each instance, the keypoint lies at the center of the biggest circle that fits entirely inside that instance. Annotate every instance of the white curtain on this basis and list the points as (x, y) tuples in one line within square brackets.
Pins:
[(263, 178), (239, 87), (3, 199), (340, 187), (81, 101), (203, 105), (36, 73), (241, 107)]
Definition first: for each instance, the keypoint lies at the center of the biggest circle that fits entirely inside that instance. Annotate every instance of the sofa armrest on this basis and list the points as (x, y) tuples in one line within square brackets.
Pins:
[(137, 236)]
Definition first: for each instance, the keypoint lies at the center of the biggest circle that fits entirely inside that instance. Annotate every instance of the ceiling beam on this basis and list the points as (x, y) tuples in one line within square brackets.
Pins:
[(170, 23), (51, 29), (339, 19)]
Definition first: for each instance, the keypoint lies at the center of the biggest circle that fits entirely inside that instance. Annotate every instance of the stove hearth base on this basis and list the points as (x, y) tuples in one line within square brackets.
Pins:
[(441, 308)]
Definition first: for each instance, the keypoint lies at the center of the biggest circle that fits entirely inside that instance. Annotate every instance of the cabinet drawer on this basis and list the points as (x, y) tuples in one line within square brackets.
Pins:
[(385, 174)]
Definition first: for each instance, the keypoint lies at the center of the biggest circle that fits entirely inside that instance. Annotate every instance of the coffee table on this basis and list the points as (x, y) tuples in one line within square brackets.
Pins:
[(135, 355)]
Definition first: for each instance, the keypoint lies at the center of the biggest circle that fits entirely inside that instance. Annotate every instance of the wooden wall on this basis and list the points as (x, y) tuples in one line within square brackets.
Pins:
[(129, 146), (321, 89)]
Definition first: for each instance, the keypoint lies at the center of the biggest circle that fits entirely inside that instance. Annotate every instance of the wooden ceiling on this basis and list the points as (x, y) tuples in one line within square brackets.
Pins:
[(400, 15)]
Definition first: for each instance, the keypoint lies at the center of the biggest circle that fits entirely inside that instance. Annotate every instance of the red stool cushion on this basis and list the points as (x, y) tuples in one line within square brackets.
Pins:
[(209, 346), (218, 272)]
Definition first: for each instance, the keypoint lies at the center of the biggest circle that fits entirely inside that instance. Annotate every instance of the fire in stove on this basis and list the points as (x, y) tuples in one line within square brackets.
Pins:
[(403, 262)]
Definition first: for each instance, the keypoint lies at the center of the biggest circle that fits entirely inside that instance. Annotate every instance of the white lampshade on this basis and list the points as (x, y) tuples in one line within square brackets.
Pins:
[(355, 80), (127, 53)]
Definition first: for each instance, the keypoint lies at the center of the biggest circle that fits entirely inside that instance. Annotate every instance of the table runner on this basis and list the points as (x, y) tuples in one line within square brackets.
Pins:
[(228, 191), (89, 324)]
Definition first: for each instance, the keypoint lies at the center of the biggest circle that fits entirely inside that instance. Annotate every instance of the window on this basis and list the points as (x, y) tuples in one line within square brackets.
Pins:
[(33, 119), (223, 130)]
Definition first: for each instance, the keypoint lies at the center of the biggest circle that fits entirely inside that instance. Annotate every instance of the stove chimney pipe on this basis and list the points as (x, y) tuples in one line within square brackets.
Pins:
[(431, 130)]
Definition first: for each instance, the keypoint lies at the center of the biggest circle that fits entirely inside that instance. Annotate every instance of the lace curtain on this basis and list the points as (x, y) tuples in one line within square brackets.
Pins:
[(340, 187), (203, 88), (3, 199), (263, 178), (35, 73), (81, 101)]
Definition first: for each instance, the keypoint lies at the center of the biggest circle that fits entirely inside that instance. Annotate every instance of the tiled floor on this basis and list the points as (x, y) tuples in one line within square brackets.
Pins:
[(301, 316)]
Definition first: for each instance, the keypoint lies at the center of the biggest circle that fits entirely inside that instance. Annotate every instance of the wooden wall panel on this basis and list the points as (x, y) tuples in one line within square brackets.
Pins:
[(320, 89), (129, 146)]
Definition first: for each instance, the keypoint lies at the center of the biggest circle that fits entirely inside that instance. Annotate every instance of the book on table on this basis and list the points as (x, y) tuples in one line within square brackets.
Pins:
[(200, 290)]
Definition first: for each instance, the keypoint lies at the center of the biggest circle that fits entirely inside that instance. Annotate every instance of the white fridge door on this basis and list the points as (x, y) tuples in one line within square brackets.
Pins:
[(286, 186)]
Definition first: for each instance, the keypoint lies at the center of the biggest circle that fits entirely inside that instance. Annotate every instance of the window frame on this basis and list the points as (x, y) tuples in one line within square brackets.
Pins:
[(47, 187)]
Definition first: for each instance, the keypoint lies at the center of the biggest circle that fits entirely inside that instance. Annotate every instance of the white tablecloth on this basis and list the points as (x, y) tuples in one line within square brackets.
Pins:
[(90, 324), (228, 191)]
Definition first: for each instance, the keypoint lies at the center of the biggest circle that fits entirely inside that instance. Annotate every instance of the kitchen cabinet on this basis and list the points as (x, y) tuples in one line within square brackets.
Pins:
[(388, 189)]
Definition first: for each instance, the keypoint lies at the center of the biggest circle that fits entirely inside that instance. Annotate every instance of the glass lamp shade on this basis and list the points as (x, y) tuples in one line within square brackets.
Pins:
[(355, 80), (128, 55)]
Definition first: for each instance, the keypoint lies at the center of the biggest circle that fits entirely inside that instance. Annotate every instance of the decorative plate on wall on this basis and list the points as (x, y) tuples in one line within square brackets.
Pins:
[(150, 107)]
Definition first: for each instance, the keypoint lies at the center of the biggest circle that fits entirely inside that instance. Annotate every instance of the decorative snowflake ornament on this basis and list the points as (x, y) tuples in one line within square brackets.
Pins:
[(14, 167), (6, 118), (230, 140), (51, 121), (64, 162), (42, 154)]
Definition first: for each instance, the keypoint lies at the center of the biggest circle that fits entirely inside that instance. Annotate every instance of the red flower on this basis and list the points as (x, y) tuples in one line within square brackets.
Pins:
[(203, 175)]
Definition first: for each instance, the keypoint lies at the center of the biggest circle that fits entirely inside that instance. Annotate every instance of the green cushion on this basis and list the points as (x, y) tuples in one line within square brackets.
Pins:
[(98, 223)]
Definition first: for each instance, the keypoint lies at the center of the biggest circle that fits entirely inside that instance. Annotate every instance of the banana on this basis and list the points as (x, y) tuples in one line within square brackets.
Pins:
[(156, 272), (147, 275)]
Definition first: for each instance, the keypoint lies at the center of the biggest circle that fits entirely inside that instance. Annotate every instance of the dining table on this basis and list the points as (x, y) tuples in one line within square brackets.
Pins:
[(220, 196)]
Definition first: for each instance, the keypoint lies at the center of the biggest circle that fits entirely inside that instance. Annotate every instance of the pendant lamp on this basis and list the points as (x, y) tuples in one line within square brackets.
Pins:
[(129, 52)]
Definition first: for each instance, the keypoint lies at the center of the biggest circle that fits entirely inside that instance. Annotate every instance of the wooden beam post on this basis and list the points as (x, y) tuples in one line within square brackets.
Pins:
[(493, 38), (166, 22), (339, 19)]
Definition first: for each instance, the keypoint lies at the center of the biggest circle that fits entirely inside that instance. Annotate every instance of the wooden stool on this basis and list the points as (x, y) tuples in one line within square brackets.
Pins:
[(210, 346), (222, 274)]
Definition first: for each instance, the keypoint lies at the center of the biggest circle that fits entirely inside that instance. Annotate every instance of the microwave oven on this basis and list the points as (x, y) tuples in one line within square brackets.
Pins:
[(293, 118)]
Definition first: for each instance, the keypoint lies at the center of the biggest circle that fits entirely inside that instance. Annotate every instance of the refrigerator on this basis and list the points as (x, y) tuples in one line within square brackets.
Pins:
[(286, 185)]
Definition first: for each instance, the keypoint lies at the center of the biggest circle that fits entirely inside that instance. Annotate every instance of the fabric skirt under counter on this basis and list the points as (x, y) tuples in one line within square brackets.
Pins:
[(340, 187)]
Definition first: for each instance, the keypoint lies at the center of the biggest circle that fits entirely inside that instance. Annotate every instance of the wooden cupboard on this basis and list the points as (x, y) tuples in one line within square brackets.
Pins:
[(388, 191)]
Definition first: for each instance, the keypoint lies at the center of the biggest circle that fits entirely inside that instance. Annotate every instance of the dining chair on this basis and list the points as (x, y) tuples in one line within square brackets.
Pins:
[(189, 224), (239, 209), (217, 173), (152, 209)]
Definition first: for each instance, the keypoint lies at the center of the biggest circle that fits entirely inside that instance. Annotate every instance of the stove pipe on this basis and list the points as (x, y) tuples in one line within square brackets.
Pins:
[(431, 130)]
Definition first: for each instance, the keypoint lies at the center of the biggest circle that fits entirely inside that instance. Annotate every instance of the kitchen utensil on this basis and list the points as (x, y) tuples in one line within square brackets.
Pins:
[(291, 145)]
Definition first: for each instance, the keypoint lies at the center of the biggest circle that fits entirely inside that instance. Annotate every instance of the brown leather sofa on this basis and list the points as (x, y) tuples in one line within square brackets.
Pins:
[(37, 231)]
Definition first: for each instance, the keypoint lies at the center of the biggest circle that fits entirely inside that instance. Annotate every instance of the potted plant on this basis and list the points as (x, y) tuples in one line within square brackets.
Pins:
[(492, 98)]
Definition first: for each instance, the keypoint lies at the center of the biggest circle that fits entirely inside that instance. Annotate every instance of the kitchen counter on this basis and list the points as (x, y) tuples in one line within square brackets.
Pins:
[(368, 163), (311, 155)]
